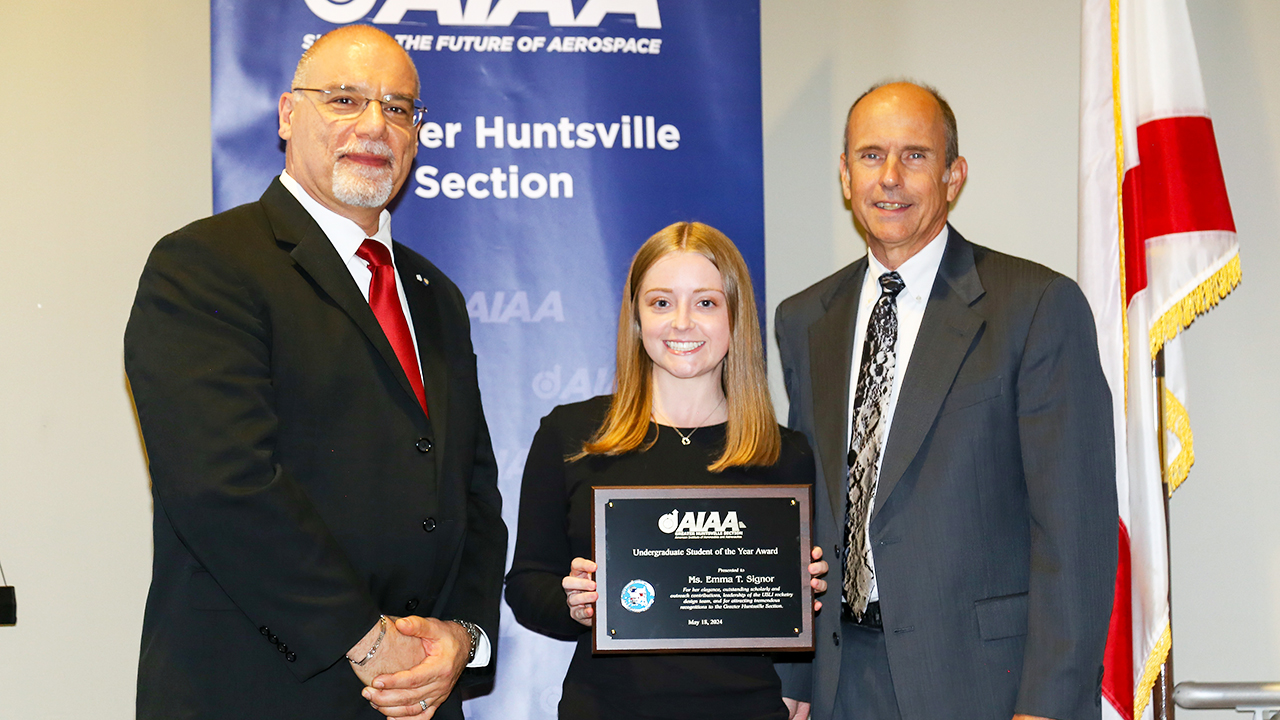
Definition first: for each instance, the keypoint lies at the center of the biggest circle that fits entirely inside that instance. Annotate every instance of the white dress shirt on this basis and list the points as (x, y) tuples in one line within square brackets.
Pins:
[(918, 274), (347, 237)]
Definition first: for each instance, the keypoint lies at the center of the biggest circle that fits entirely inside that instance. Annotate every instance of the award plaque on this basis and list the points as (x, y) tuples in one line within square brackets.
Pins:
[(697, 569)]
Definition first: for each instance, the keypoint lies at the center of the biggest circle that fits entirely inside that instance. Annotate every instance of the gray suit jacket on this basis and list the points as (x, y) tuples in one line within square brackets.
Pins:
[(995, 526)]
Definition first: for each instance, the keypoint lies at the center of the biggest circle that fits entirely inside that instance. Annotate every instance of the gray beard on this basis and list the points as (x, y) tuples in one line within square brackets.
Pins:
[(362, 187)]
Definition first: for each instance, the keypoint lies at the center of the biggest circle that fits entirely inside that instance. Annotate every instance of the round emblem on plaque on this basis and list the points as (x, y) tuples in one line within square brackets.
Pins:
[(637, 596)]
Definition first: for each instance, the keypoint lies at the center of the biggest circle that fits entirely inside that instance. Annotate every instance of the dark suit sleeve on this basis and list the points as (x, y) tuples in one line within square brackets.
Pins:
[(786, 339), (477, 593), (198, 359), (796, 677), (1065, 431), (543, 555)]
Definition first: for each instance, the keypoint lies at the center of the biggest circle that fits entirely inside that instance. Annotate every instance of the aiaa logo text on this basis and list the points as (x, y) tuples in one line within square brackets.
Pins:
[(702, 524), (488, 13)]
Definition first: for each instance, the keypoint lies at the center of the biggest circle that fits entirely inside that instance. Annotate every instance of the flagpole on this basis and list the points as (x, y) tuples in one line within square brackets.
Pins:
[(1162, 692)]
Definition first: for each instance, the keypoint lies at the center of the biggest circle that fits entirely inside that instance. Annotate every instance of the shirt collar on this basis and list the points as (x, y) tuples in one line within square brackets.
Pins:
[(344, 233), (920, 270)]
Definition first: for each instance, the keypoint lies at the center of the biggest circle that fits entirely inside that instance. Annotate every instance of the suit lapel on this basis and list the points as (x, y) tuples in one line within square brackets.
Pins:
[(946, 333), (315, 255), (425, 311), (830, 355)]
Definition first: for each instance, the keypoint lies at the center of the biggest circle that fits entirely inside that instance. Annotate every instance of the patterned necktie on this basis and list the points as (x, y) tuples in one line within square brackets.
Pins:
[(871, 401), (385, 303)]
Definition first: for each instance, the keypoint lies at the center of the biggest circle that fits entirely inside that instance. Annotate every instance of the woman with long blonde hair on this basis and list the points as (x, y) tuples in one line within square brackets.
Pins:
[(691, 407)]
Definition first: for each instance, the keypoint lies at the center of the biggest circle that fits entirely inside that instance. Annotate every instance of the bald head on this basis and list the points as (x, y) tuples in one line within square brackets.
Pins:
[(948, 117), (344, 39)]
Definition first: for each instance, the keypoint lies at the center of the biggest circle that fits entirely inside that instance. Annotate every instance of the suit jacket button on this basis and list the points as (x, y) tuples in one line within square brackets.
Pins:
[(423, 445), (264, 630), (835, 638), (291, 656), (411, 605), (273, 639), (429, 524), (282, 648)]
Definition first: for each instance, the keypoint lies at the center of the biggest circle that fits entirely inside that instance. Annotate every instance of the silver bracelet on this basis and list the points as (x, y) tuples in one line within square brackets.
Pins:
[(382, 633), (474, 631)]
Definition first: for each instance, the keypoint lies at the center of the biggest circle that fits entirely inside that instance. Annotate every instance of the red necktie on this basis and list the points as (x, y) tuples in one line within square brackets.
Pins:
[(385, 303)]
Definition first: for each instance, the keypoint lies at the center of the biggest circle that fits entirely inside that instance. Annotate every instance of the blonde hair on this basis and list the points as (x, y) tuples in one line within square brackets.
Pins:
[(752, 436)]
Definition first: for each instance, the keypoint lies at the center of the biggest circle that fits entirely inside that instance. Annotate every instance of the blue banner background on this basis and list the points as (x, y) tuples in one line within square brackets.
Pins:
[(543, 276)]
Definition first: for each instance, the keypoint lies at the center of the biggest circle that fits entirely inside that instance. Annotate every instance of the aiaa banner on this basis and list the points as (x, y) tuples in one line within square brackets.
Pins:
[(559, 135)]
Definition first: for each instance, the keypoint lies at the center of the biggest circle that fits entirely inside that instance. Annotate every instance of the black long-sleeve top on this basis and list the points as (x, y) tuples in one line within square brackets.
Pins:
[(555, 527)]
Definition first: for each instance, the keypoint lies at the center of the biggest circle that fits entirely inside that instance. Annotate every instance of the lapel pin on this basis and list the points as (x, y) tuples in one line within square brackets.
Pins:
[(422, 280)]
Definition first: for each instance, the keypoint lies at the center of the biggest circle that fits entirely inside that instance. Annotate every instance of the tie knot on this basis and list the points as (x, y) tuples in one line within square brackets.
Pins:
[(891, 283), (374, 253)]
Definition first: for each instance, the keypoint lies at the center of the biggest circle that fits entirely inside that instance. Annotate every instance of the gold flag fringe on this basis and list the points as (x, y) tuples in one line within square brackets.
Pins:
[(1199, 301), (1178, 422), (1195, 303), (1142, 694), (1117, 120)]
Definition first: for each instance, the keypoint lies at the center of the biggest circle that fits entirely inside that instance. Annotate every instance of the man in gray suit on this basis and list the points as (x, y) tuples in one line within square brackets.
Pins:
[(966, 472)]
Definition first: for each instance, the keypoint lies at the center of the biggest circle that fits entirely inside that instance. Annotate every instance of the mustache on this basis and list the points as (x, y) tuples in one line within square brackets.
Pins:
[(368, 147)]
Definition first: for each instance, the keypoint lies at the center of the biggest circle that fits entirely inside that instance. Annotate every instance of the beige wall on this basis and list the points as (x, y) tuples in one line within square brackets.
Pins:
[(107, 148)]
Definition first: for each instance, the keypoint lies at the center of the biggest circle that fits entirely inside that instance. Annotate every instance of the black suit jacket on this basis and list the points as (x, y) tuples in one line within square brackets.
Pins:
[(995, 525), (299, 488)]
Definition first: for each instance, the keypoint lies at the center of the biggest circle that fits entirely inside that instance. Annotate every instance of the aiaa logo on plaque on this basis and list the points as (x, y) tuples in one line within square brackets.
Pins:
[(702, 524)]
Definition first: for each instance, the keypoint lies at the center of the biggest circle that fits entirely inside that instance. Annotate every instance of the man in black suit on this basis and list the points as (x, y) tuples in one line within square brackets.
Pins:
[(966, 472), (320, 462)]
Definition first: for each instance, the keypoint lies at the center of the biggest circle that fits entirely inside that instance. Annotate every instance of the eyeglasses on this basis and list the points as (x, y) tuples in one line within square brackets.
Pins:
[(344, 103)]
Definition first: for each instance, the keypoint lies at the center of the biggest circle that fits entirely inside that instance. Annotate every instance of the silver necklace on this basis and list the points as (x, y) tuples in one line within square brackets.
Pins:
[(684, 439)]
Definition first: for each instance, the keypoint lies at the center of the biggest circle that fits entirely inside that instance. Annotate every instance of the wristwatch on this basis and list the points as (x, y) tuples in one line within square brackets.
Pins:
[(474, 631)]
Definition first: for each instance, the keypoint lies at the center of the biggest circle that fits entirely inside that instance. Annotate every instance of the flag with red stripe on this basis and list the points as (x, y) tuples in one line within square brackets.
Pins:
[(1157, 248)]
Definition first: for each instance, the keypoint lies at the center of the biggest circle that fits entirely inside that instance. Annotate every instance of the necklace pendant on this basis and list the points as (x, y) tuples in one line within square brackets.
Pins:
[(684, 441)]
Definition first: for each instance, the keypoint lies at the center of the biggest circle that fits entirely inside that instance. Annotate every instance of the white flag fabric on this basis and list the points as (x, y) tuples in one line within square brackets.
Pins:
[(1157, 247)]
